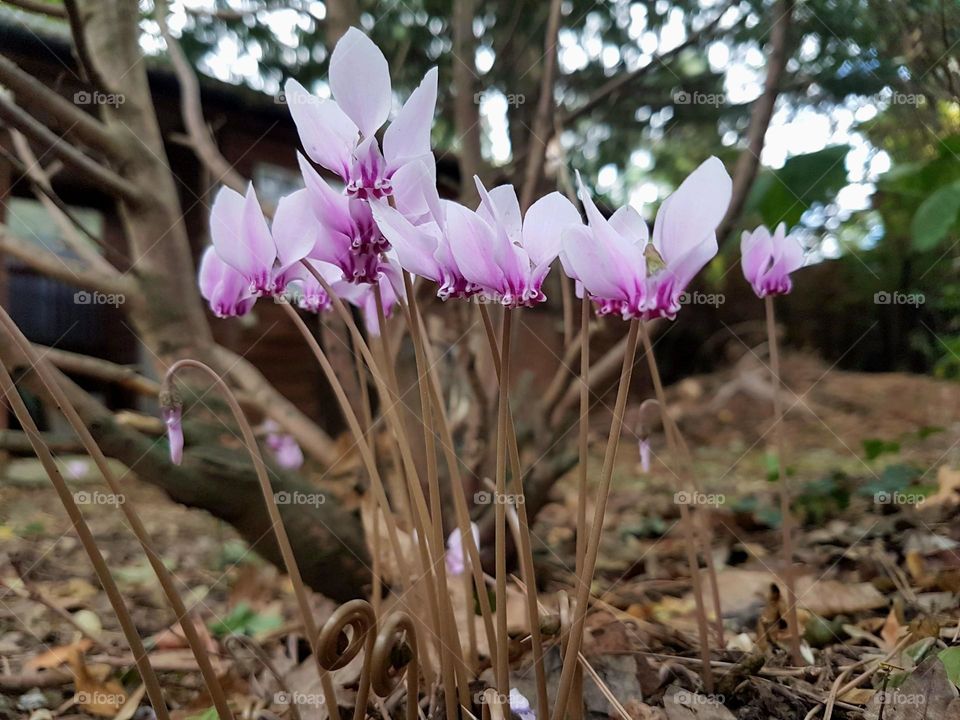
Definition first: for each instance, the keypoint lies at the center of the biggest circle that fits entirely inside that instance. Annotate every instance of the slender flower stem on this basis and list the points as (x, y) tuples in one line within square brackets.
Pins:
[(787, 515), (276, 521), (164, 576), (140, 657), (455, 666), (574, 641), (583, 430), (686, 519), (524, 547), (500, 546), (376, 482), (460, 504)]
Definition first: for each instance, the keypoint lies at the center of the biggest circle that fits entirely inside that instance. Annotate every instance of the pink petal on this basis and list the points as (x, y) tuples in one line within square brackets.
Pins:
[(595, 264), (224, 288), (295, 228), (543, 225), (627, 223), (327, 134), (692, 213), (415, 245), (408, 136), (360, 81), (470, 244), (241, 236)]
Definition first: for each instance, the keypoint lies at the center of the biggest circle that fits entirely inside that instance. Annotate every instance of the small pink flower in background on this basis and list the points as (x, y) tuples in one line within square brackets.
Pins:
[(628, 273), (310, 294), (456, 557), (284, 447), (243, 240), (769, 259), (340, 133), (173, 419), (520, 706), (76, 469), (645, 454), (505, 256)]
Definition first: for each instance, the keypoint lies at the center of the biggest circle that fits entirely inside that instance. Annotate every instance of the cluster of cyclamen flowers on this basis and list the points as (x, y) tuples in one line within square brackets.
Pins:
[(388, 218)]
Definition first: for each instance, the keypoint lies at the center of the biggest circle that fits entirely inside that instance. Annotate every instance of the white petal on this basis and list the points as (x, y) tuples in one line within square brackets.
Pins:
[(360, 81)]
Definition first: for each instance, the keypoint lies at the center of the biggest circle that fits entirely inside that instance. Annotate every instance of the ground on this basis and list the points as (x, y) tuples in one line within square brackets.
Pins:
[(871, 462)]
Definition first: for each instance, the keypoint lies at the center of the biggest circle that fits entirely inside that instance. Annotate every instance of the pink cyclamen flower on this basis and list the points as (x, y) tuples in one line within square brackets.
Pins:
[(227, 291), (347, 235), (769, 259), (456, 556), (173, 419), (262, 256), (645, 454), (506, 257), (629, 274), (284, 447), (520, 706), (417, 231), (340, 133)]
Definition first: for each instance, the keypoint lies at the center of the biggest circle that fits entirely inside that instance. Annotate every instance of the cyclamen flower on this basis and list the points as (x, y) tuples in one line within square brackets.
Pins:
[(508, 258), (244, 242), (173, 420), (645, 454), (347, 235), (456, 558), (284, 447), (310, 295), (520, 706), (340, 134), (417, 231), (624, 271), (223, 287), (769, 259)]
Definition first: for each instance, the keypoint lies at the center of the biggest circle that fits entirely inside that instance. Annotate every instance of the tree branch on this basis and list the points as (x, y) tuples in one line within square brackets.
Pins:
[(745, 173), (466, 111), (40, 183), (621, 81), (74, 122), (99, 175), (39, 8), (191, 109), (51, 265), (541, 132), (122, 375)]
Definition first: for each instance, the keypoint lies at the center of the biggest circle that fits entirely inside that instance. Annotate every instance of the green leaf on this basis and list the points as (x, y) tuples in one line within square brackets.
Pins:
[(875, 447), (244, 620), (935, 216), (804, 180), (951, 661)]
